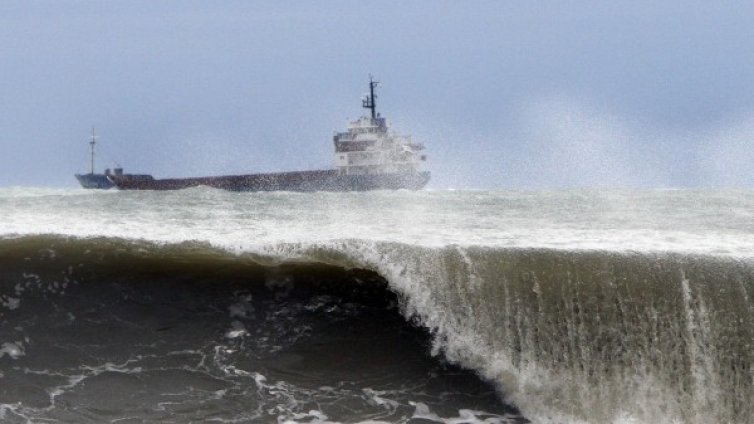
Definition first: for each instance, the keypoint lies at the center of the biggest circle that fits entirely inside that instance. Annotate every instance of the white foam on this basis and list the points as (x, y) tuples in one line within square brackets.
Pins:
[(13, 350), (703, 222), (10, 303), (237, 330)]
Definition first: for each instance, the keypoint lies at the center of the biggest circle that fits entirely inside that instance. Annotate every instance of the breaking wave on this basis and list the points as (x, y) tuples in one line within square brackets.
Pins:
[(566, 336)]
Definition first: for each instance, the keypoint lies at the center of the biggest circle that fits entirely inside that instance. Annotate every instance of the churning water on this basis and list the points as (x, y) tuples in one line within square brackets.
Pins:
[(421, 307)]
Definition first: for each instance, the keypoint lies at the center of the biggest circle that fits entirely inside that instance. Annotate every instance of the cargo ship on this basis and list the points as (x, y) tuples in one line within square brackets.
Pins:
[(99, 181), (368, 156)]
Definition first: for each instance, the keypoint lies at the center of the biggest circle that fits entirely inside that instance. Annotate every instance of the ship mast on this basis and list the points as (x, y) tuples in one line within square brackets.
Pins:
[(92, 143), (368, 103)]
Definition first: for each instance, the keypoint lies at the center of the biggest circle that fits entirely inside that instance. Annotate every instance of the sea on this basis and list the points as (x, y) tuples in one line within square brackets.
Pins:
[(436, 306)]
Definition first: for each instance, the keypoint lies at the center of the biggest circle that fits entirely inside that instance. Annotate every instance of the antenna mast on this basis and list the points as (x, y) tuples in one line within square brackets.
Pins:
[(92, 143), (369, 103)]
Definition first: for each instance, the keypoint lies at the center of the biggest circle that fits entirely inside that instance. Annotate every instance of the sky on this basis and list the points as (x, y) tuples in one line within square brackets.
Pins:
[(505, 94)]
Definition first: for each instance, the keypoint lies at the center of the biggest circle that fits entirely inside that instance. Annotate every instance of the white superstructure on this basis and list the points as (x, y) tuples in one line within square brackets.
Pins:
[(368, 147)]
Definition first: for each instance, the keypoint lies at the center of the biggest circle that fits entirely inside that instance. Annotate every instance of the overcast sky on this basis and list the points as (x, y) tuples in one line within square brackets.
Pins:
[(516, 95)]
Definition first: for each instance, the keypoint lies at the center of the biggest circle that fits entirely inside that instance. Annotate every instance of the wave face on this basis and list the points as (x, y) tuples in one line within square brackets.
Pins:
[(577, 306), (586, 336), (109, 330), (597, 337)]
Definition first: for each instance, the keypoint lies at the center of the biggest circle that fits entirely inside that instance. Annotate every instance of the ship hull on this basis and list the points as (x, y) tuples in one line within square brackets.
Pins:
[(325, 180), (94, 181)]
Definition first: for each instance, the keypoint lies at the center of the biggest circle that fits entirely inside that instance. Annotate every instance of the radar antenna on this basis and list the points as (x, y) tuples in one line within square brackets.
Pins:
[(369, 103), (92, 143)]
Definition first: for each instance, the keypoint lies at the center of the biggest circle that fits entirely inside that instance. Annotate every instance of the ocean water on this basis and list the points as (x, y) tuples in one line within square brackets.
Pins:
[(410, 307)]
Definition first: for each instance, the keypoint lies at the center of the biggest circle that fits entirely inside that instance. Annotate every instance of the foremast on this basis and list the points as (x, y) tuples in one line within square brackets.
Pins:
[(92, 143)]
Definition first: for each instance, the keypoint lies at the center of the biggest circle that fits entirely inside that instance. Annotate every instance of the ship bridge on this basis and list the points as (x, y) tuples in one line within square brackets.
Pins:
[(369, 147)]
